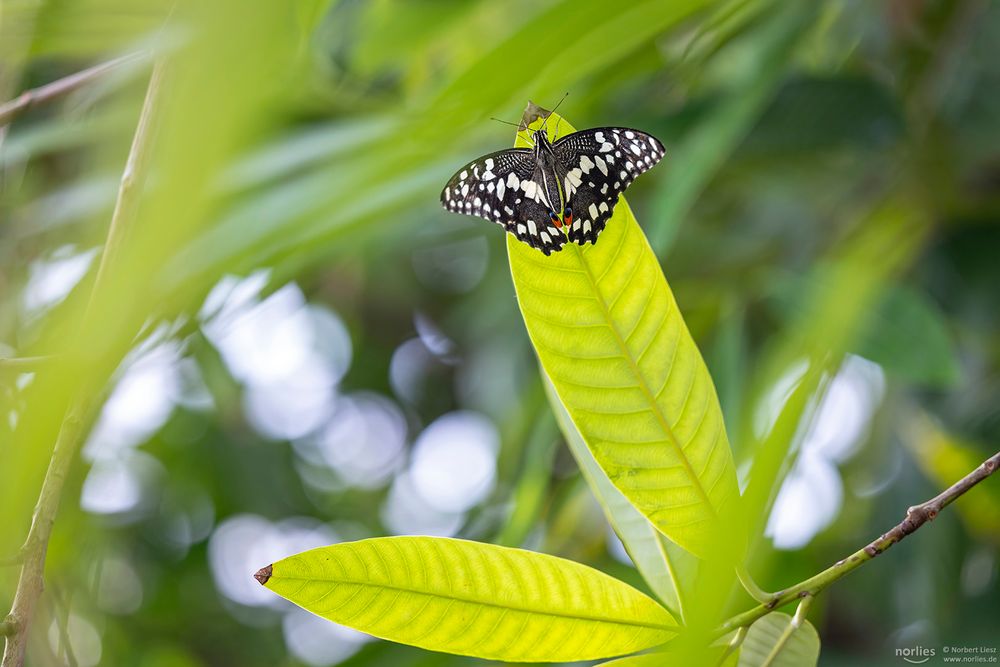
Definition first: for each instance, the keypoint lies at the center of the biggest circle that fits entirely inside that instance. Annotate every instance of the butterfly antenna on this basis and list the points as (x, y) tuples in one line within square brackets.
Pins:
[(520, 127), (553, 111), (506, 122)]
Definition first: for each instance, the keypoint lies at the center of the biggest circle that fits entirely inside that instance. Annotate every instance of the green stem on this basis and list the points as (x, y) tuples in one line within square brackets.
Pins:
[(916, 517), (734, 644), (786, 634), (751, 587), (78, 415)]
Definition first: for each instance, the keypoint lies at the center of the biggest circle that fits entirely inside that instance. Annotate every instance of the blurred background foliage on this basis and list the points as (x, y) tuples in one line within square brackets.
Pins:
[(298, 346)]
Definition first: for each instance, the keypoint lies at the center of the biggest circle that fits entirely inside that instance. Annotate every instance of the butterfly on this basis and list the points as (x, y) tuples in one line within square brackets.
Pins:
[(554, 192)]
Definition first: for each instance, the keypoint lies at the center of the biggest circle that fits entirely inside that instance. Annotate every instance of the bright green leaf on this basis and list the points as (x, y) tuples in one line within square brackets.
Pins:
[(472, 599), (715, 655), (609, 335), (645, 660), (773, 641), (668, 569)]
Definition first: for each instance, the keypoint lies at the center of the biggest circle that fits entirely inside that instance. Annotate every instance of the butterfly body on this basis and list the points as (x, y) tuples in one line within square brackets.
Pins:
[(554, 192)]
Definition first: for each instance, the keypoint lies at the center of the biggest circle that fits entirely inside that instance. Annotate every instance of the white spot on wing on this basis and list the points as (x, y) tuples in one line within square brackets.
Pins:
[(601, 164), (501, 189), (586, 164), (532, 228), (592, 210)]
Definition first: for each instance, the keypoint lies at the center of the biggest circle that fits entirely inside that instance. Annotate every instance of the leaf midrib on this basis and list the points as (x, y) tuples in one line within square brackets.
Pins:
[(643, 385), (495, 605)]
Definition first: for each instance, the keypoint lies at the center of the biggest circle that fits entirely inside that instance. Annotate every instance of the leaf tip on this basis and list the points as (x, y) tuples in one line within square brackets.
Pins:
[(263, 575)]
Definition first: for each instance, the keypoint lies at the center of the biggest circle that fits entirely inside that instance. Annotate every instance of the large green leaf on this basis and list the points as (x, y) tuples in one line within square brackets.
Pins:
[(609, 335), (669, 570), (644, 660), (774, 641), (472, 599)]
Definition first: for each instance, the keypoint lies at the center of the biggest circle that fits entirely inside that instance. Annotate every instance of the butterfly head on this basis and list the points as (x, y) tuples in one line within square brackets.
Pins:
[(540, 137)]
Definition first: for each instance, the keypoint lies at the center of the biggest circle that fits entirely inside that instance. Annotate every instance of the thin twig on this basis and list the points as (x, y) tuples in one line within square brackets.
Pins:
[(916, 517), (74, 425), (59, 88)]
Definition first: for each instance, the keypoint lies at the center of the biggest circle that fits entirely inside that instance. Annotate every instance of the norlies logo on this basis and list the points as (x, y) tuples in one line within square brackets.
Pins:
[(916, 655)]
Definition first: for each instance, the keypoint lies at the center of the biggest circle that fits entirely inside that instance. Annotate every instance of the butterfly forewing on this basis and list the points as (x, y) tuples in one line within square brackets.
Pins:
[(600, 164), (502, 188)]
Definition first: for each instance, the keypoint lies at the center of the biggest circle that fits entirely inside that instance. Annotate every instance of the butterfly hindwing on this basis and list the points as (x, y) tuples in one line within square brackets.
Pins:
[(499, 187), (600, 164)]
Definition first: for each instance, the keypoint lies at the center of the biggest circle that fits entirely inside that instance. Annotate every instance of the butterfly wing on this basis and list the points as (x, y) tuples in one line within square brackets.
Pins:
[(600, 163), (493, 187)]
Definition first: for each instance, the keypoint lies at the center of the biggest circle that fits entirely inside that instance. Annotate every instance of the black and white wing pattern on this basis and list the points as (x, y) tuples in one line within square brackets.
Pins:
[(502, 188), (600, 164)]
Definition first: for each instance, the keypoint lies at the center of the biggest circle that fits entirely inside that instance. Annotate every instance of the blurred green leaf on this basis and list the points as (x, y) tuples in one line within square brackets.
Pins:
[(846, 111), (907, 334), (702, 152), (611, 339), (903, 330), (473, 599), (308, 14), (774, 642)]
